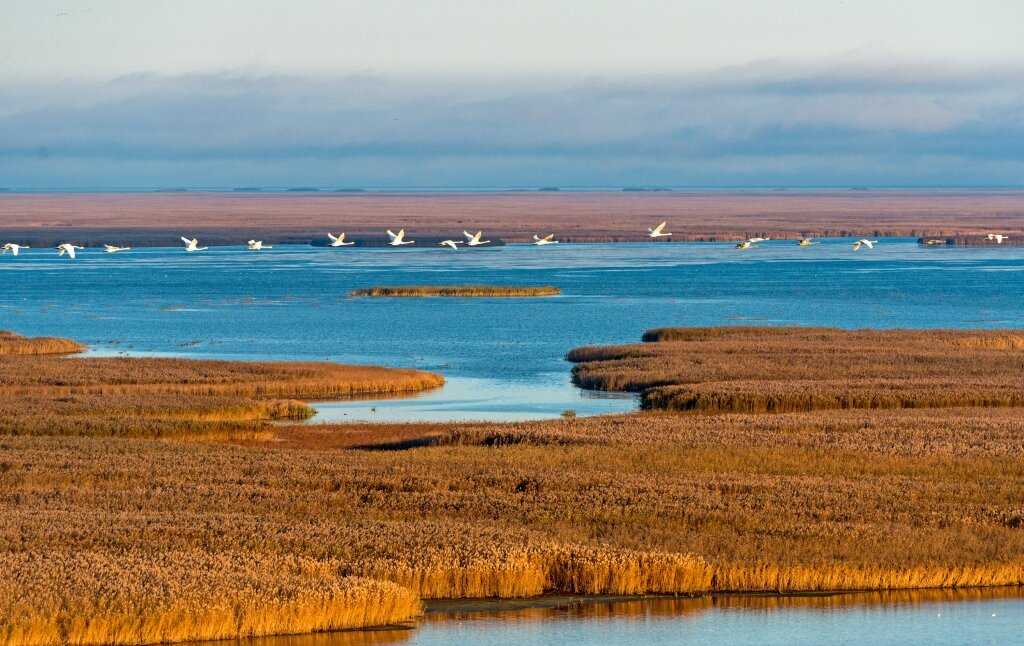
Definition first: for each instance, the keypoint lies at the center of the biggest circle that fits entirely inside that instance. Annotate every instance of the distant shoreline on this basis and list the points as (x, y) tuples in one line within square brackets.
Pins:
[(304, 217)]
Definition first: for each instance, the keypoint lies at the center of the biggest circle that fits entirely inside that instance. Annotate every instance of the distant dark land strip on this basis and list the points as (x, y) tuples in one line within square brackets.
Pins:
[(299, 217)]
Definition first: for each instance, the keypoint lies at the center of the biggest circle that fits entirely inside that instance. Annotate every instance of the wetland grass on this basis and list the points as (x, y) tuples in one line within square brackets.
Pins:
[(91, 598), (56, 395), (297, 528), (15, 344), (772, 370), (464, 291)]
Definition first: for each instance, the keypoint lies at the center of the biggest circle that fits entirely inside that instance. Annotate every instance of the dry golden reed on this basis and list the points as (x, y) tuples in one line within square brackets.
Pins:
[(478, 291), (773, 370), (11, 343), (50, 395), (94, 598), (827, 499)]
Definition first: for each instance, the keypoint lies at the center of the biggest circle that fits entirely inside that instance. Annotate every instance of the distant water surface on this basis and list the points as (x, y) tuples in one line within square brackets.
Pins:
[(504, 357)]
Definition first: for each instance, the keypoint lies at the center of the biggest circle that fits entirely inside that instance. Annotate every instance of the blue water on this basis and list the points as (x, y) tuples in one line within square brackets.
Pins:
[(291, 303), (949, 619), (946, 623)]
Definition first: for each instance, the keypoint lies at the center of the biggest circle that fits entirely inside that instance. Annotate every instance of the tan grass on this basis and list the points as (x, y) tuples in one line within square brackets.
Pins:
[(475, 291), (130, 397), (11, 343), (92, 598), (827, 499), (770, 370)]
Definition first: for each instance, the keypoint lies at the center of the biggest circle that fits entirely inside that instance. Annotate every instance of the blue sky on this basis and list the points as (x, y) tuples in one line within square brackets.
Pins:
[(526, 93)]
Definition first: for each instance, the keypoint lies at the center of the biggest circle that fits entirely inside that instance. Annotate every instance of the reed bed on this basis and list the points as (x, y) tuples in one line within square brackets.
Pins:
[(15, 344), (51, 395), (92, 598), (650, 502), (377, 516), (771, 370), (472, 291)]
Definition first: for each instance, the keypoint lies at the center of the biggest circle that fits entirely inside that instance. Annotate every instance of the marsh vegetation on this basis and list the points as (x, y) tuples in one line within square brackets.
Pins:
[(787, 369), (45, 393), (344, 525), (479, 291)]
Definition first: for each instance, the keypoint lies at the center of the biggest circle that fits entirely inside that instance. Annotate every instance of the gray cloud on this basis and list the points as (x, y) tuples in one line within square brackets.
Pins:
[(761, 124)]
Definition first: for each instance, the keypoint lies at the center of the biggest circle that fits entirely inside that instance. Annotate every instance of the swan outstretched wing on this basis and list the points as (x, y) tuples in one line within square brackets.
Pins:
[(659, 228)]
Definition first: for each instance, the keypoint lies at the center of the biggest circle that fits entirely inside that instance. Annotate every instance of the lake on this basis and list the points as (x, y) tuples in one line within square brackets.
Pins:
[(935, 618), (503, 357)]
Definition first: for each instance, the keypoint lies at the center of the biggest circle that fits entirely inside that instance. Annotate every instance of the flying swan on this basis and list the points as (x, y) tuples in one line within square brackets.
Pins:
[(452, 244), (870, 244), (113, 248), (998, 237), (338, 240), (257, 245), (398, 239), (658, 231), (192, 245), (548, 239), (67, 248), (474, 240), (14, 248)]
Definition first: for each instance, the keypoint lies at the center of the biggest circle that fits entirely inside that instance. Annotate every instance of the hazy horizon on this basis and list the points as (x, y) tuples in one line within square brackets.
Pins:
[(524, 94)]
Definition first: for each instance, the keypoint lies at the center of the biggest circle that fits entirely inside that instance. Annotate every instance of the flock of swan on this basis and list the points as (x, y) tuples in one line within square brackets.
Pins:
[(471, 240)]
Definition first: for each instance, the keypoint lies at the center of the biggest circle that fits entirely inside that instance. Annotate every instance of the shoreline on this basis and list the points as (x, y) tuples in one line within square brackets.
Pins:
[(555, 600), (159, 218)]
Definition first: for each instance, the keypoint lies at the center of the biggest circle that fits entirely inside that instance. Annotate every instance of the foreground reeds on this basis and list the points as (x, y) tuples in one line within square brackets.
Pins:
[(478, 291), (94, 598), (54, 395), (772, 370), (376, 515)]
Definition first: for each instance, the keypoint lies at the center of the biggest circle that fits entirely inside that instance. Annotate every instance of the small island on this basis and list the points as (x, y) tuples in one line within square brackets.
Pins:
[(465, 291)]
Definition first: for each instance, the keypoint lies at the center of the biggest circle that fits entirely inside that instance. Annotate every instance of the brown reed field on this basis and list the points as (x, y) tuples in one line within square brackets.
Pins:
[(11, 343), (771, 370), (477, 291), (42, 393), (312, 527)]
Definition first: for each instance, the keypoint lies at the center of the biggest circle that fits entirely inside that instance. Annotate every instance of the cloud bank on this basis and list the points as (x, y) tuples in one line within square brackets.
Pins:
[(758, 125)]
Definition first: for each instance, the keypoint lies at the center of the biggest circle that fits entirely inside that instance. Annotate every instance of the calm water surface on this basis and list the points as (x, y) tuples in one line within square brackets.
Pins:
[(504, 357), (935, 619)]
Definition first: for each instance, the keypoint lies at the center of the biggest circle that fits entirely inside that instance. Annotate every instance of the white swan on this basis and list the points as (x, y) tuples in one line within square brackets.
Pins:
[(398, 239), (870, 244), (474, 240), (745, 244), (192, 245), (756, 240), (257, 245), (67, 248), (658, 231), (998, 237), (113, 248), (338, 240), (805, 242), (548, 239), (452, 244), (14, 248)]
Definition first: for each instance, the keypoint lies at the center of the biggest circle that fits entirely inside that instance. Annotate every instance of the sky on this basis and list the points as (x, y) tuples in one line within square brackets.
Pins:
[(479, 93)]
